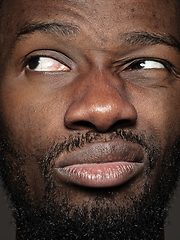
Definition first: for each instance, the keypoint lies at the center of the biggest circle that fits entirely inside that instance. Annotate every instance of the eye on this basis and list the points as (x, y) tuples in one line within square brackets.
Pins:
[(145, 64), (46, 64), (146, 71)]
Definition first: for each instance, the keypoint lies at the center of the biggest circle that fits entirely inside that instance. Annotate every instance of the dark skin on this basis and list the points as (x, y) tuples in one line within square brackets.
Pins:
[(82, 91)]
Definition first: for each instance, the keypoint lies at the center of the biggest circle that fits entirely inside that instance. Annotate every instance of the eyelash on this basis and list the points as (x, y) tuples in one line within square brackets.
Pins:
[(50, 54), (27, 61), (130, 63), (126, 65)]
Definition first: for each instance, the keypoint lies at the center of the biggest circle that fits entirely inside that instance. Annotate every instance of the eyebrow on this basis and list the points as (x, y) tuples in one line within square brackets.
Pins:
[(146, 38), (51, 28)]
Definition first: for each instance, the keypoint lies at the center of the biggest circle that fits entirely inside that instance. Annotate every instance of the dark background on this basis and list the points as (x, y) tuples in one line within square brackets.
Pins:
[(7, 231)]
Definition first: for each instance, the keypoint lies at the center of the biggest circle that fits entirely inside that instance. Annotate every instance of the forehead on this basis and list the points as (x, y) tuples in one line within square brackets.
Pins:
[(103, 19), (160, 12)]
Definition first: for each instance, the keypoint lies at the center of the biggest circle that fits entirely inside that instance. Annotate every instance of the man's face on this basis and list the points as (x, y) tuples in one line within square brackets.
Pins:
[(90, 112)]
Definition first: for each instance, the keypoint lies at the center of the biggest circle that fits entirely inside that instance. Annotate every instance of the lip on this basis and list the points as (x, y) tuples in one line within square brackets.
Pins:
[(104, 164)]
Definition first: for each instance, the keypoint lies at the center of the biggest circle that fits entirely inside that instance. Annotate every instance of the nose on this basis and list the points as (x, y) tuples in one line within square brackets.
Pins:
[(100, 102)]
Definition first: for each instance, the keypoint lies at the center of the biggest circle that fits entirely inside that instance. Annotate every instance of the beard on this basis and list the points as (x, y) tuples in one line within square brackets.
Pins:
[(140, 215)]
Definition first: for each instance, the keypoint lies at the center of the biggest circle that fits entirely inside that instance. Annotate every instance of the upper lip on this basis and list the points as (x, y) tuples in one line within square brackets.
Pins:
[(102, 152)]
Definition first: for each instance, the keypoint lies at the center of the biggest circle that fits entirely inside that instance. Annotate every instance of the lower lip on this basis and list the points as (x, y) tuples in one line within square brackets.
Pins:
[(100, 175)]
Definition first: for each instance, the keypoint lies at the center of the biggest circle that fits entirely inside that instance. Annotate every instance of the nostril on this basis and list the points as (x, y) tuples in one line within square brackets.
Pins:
[(86, 125), (82, 125), (123, 123)]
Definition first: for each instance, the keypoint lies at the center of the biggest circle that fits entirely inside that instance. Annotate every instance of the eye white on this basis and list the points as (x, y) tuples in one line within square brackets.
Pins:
[(46, 64), (148, 64)]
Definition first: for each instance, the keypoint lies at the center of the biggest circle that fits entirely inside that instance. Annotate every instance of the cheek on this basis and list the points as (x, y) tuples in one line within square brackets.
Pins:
[(32, 125), (159, 113), (34, 120)]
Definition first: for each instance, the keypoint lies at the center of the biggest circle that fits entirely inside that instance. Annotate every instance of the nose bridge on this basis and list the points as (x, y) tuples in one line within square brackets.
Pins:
[(102, 93), (101, 100)]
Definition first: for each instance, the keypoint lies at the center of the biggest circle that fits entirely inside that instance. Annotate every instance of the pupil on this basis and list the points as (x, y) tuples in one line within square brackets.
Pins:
[(139, 65), (33, 63)]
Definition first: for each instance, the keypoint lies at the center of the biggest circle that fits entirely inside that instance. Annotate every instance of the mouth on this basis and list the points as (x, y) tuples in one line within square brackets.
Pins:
[(99, 165)]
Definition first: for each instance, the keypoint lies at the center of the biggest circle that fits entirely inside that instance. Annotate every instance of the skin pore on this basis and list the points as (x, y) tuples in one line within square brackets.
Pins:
[(82, 81)]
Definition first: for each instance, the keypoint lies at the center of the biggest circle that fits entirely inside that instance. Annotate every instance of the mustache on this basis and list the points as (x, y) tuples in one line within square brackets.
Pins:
[(78, 141), (45, 156)]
